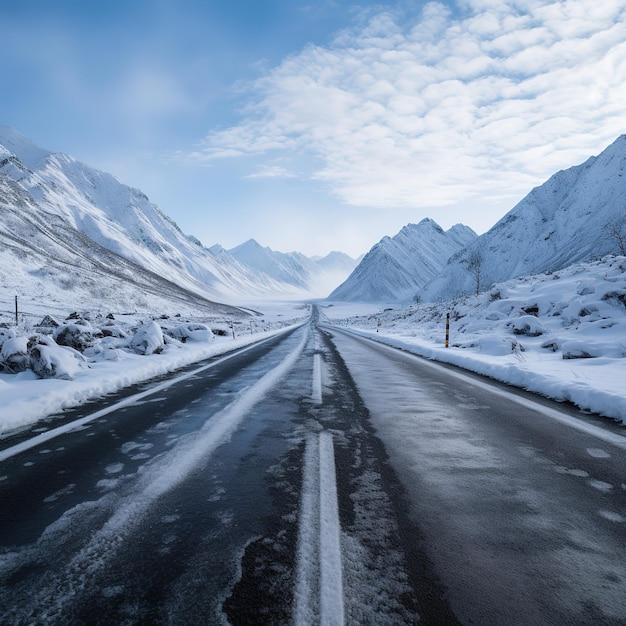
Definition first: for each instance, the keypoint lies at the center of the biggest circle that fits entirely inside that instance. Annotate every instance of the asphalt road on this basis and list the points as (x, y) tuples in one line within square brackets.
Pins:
[(520, 502), (315, 478)]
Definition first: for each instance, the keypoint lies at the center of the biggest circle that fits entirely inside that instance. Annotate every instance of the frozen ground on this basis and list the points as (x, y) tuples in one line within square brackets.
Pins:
[(109, 354), (560, 334)]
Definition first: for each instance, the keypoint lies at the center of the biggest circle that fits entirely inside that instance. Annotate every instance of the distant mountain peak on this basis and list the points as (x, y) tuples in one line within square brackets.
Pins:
[(21, 146), (396, 267)]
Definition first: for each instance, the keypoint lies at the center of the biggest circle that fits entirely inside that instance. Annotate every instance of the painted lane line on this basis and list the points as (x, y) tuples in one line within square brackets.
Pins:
[(76, 424), (316, 395), (319, 577), (307, 589), (331, 582)]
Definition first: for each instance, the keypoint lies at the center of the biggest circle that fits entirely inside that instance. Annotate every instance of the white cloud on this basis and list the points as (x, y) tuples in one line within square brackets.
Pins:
[(446, 109), (271, 171)]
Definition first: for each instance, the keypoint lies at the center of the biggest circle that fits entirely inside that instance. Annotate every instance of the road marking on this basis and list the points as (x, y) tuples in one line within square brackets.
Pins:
[(331, 585), (305, 610), (76, 424), (316, 394), (319, 581)]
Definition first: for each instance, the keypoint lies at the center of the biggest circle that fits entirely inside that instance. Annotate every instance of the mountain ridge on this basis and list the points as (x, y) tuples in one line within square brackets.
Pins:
[(120, 222), (396, 267), (561, 222)]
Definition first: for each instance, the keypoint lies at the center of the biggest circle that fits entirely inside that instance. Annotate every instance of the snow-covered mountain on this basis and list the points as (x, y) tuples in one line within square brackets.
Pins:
[(561, 334), (562, 222), (281, 266), (396, 267), (75, 234), (315, 275)]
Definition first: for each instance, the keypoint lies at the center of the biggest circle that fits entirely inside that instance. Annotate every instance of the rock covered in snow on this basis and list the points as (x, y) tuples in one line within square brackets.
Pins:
[(49, 360), (42, 355), (189, 332), (79, 336), (527, 325), (48, 322), (6, 333), (14, 357), (148, 339)]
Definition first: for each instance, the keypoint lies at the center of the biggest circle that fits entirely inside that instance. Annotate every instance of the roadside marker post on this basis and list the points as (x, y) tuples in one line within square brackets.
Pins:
[(447, 329)]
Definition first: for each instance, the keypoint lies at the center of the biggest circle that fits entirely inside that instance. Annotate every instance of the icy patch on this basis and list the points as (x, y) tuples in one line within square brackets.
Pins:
[(106, 484), (113, 591), (217, 496), (114, 468), (140, 457), (61, 492), (612, 516), (600, 485), (131, 446), (598, 453), (572, 472)]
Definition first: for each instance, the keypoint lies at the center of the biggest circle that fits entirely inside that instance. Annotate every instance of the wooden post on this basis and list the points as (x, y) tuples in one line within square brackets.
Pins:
[(447, 329), (16, 310)]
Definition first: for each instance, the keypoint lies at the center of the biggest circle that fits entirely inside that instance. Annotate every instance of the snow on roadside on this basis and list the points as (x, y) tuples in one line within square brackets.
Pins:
[(560, 334), (114, 361)]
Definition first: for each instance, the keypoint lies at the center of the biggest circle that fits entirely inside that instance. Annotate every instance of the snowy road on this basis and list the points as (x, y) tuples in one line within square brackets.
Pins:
[(520, 503), (313, 478)]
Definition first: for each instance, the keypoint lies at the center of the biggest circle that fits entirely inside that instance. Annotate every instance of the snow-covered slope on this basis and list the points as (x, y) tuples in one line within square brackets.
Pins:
[(330, 271), (61, 217), (559, 223), (315, 276), (396, 267), (43, 260), (124, 221), (281, 266)]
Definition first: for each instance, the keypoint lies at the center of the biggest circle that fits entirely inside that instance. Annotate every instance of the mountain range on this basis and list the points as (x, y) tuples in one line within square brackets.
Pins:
[(579, 214), (396, 267), (72, 235), (566, 220)]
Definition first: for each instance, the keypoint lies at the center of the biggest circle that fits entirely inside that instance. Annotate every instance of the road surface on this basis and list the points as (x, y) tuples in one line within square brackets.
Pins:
[(315, 478)]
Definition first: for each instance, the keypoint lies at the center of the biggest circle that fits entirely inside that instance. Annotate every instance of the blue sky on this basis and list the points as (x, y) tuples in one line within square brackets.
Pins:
[(318, 126)]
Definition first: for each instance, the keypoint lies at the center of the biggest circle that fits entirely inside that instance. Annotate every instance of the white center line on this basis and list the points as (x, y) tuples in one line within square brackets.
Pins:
[(316, 395), (319, 582), (331, 584)]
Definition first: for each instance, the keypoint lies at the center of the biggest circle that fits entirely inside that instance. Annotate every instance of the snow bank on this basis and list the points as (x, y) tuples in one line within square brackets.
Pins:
[(39, 377), (560, 334)]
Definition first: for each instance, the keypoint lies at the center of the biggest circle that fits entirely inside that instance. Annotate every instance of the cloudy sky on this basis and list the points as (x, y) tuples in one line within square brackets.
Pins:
[(318, 126)]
